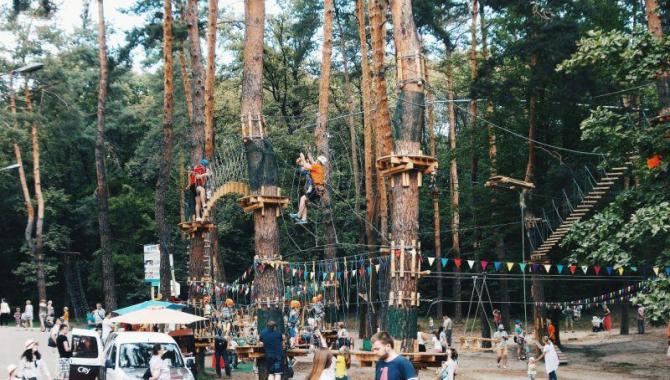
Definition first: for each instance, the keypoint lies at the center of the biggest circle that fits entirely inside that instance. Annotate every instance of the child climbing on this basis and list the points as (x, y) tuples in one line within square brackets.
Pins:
[(316, 173), (196, 182)]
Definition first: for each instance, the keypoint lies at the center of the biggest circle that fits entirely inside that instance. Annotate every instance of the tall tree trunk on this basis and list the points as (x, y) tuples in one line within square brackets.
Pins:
[(493, 153), (349, 95), (198, 71), (108, 281), (370, 172), (262, 170), (435, 193), (166, 163), (454, 189), (367, 125), (25, 191), (472, 117), (382, 118), (321, 131), (212, 16), (402, 315), (183, 66), (662, 78)]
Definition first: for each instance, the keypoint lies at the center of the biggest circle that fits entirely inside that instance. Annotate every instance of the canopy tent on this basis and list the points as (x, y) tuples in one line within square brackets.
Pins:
[(157, 316), (147, 304)]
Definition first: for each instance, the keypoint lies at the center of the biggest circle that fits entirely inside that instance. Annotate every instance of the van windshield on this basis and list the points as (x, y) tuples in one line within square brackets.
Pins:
[(138, 355)]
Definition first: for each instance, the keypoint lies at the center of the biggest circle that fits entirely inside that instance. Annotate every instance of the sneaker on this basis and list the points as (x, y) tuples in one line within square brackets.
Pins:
[(301, 221), (294, 216), (198, 220)]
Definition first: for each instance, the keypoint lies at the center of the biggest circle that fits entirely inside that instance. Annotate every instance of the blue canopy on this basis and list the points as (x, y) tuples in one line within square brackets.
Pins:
[(146, 304)]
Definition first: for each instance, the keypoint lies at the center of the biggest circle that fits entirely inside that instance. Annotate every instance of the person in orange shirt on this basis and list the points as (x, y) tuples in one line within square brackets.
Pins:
[(551, 330), (316, 175), (66, 315)]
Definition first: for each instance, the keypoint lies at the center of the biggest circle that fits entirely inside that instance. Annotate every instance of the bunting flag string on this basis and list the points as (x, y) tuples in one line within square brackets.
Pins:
[(620, 295)]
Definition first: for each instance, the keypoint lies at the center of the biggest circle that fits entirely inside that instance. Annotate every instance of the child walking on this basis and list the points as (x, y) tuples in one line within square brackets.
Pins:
[(532, 368), (17, 317), (342, 363)]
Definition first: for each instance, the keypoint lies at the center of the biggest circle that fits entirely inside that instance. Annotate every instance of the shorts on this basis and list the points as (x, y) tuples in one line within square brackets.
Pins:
[(274, 366), (502, 351), (64, 367)]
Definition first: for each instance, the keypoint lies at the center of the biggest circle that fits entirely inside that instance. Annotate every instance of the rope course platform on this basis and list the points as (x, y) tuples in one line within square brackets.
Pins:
[(191, 227), (241, 188), (509, 183), (261, 201), (403, 164)]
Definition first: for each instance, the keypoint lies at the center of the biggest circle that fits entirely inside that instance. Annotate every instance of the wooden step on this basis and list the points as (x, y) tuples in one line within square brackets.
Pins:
[(597, 193), (622, 168)]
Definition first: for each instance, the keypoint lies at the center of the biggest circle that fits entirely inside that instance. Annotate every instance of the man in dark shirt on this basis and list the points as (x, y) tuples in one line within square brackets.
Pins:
[(390, 365), (220, 347), (64, 352), (272, 345)]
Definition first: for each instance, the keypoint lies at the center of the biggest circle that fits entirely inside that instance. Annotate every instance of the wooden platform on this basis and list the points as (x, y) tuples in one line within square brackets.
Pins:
[(191, 227), (255, 202), (403, 164), (508, 182), (474, 344)]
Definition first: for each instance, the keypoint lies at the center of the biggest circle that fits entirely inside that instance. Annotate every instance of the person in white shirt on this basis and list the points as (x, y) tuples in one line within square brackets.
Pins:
[(449, 366), (159, 367), (500, 338), (32, 366), (448, 326), (12, 372), (28, 315), (107, 327), (435, 341), (99, 315), (4, 313), (550, 356)]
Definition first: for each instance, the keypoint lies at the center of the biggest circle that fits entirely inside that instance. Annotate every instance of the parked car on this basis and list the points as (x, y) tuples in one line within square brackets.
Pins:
[(127, 354), (87, 354)]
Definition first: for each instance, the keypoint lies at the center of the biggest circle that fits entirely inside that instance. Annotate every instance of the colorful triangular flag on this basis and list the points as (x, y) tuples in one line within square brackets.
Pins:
[(510, 265), (585, 268), (431, 260), (484, 264), (458, 262), (656, 270), (596, 269), (497, 265), (547, 267), (560, 267), (522, 266), (444, 262), (471, 263)]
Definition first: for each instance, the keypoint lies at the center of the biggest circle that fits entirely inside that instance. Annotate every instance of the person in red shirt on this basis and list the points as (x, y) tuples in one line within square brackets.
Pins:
[(196, 183), (316, 175)]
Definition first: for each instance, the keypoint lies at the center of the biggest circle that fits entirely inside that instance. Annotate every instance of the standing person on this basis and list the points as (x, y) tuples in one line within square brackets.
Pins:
[(551, 330), (64, 352), (196, 181), (99, 315), (435, 341), (66, 316), (274, 355), (107, 327), (51, 312), (607, 319), (53, 333), (500, 338), (4, 313), (32, 366), (390, 365), (220, 348), (342, 363), (28, 315), (532, 368), (569, 314), (322, 367), (449, 366), (550, 358), (159, 367), (42, 314), (448, 325), (640, 319), (443, 339), (18, 317), (420, 339), (497, 317)]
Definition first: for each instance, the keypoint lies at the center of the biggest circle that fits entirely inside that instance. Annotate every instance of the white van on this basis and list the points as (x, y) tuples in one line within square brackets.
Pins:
[(127, 355), (86, 355)]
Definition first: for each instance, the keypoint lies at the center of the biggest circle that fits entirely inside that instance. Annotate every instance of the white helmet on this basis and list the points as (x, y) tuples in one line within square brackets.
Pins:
[(322, 159)]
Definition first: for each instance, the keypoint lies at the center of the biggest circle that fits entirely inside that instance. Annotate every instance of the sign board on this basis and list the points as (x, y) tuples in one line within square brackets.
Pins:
[(152, 263)]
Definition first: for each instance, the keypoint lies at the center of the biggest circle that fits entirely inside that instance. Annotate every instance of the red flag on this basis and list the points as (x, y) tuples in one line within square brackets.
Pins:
[(573, 268), (597, 269), (484, 263), (458, 262)]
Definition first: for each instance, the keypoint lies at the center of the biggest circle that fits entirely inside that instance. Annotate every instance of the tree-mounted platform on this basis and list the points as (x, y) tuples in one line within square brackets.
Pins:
[(509, 183), (405, 163), (191, 227), (260, 201)]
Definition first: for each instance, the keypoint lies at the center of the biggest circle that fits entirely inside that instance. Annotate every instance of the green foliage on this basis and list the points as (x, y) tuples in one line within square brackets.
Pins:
[(655, 299)]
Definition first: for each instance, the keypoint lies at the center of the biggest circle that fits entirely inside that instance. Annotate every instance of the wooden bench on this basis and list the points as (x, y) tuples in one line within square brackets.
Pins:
[(474, 344), (420, 360)]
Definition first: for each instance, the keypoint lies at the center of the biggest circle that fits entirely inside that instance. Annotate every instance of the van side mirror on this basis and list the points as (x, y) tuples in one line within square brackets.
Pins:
[(190, 362), (109, 363)]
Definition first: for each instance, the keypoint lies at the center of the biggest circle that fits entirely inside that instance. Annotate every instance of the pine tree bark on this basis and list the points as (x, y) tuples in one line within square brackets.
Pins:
[(454, 189), (198, 73), (38, 244), (25, 191), (262, 172), (369, 159), (353, 134), (472, 117), (402, 318), (366, 86), (321, 131), (382, 118), (166, 163), (108, 281), (655, 27), (212, 16), (493, 164)]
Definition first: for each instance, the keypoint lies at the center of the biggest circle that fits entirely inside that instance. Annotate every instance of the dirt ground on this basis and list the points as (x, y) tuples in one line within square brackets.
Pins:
[(593, 356)]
